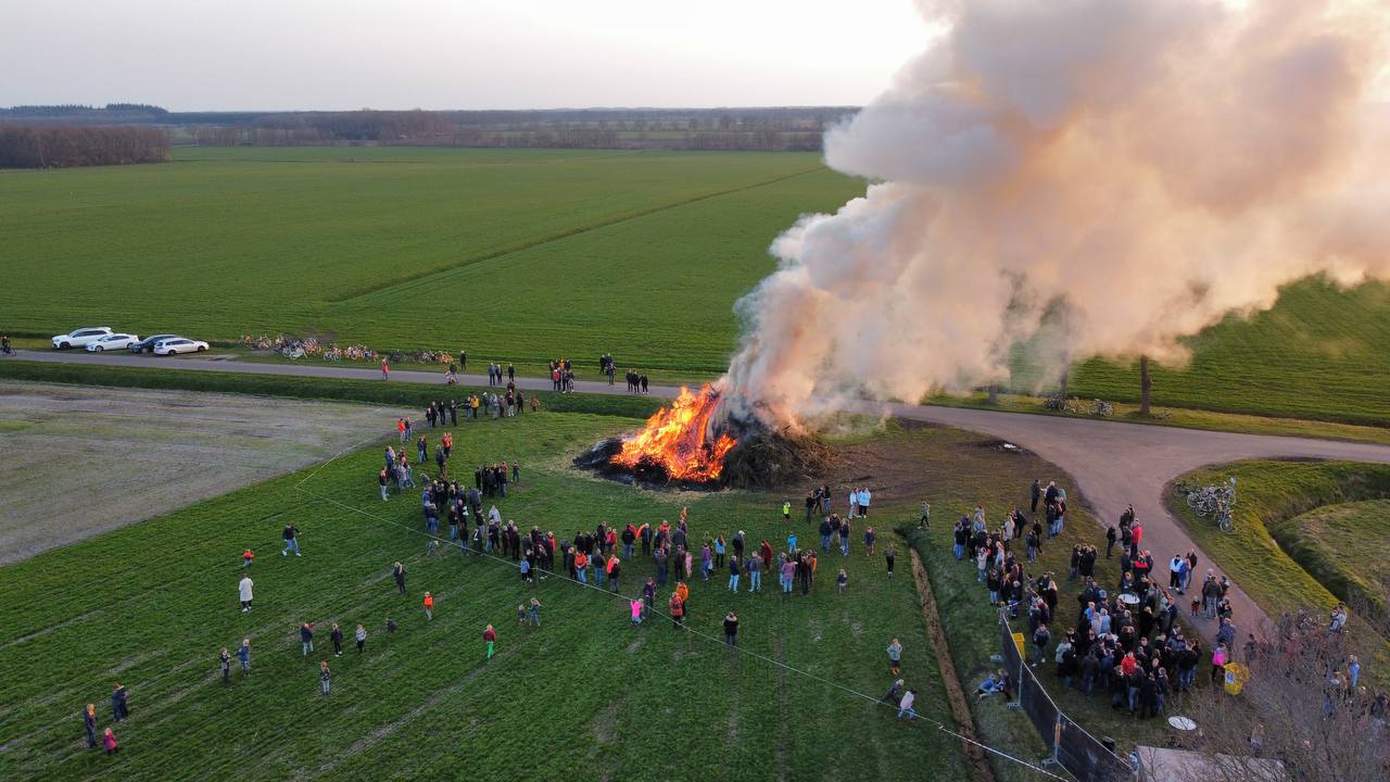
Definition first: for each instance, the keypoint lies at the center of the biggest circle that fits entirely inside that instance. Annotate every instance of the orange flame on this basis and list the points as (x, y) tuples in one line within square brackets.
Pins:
[(678, 439)]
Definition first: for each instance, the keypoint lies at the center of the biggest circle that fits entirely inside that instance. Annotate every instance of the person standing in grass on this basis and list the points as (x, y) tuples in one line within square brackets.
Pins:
[(636, 608), (677, 609), (244, 592), (306, 638), (648, 597), (247, 557), (429, 607), (89, 723), (108, 740), (243, 655), (291, 536), (398, 572), (905, 710), (870, 537), (786, 510), (361, 636), (895, 657), (490, 638), (733, 573), (325, 677), (337, 637), (615, 572), (120, 708), (841, 581), (533, 613), (731, 629), (890, 556), (755, 573), (225, 660)]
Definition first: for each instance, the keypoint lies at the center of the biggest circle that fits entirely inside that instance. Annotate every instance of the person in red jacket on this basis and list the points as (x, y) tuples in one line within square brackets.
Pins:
[(490, 636), (429, 606), (108, 740)]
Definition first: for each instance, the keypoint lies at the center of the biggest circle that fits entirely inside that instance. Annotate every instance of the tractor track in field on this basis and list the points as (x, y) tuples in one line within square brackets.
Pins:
[(431, 277)]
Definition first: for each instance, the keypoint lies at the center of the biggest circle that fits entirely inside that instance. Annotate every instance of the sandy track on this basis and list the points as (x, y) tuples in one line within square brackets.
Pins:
[(79, 461)]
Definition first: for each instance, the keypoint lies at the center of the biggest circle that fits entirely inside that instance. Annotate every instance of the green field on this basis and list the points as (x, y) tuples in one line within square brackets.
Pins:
[(584, 696), (518, 255), (1273, 551), (1333, 542), (526, 255)]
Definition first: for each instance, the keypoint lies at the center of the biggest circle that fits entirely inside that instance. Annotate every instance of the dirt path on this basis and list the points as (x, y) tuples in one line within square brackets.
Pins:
[(960, 709), (1114, 463), (81, 461)]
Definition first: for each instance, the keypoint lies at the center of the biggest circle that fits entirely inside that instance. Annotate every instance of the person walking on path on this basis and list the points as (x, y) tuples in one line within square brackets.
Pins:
[(895, 657), (291, 535), (225, 660), (89, 723), (385, 370), (429, 607), (244, 592), (243, 655), (306, 638), (398, 573), (361, 636), (490, 638), (337, 637), (731, 629), (325, 677)]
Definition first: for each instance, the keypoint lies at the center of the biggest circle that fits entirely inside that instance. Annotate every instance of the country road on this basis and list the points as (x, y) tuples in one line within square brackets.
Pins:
[(1114, 463)]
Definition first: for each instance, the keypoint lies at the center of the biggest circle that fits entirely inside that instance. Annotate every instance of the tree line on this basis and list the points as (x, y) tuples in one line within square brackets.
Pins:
[(31, 146)]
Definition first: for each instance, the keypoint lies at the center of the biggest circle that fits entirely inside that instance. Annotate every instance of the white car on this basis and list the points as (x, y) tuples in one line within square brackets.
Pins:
[(113, 342), (78, 338), (170, 347)]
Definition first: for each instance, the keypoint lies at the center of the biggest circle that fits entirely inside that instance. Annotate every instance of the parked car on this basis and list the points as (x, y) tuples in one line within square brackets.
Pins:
[(170, 347), (78, 338), (147, 344), (112, 342)]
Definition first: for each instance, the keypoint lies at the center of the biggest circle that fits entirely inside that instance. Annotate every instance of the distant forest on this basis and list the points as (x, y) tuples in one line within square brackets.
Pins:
[(44, 146), (777, 128)]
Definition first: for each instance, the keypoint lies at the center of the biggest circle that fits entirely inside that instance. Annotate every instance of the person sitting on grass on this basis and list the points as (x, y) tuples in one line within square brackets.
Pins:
[(996, 682)]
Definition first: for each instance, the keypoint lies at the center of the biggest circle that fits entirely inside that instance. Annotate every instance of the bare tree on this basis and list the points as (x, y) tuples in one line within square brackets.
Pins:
[(1299, 709), (1145, 385)]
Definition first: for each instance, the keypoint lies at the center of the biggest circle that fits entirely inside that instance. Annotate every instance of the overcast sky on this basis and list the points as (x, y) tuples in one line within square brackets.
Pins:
[(446, 54)]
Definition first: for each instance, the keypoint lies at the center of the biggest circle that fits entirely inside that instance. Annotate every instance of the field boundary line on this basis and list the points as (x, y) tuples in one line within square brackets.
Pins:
[(412, 281)]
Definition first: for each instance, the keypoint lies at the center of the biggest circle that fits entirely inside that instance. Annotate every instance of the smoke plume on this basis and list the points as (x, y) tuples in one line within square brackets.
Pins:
[(1100, 177)]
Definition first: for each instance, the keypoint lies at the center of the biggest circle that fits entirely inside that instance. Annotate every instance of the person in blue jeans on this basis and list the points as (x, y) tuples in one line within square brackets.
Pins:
[(733, 573), (755, 573), (291, 536)]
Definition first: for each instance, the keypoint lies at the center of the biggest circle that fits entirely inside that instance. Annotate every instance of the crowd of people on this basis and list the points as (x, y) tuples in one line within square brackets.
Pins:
[(1125, 639)]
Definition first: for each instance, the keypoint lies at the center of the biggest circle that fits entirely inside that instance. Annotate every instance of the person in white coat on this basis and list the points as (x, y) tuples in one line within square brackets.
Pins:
[(244, 590)]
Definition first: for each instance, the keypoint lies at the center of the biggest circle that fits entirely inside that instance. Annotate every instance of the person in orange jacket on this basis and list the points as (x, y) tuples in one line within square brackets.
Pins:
[(581, 566), (677, 608), (429, 606), (247, 557)]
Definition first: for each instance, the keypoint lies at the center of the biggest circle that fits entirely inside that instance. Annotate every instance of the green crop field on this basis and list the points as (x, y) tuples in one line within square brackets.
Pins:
[(1333, 542), (519, 255), (525, 255), (585, 696)]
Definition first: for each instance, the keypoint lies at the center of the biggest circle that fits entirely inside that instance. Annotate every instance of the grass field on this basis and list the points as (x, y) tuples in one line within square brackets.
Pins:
[(1335, 544), (1267, 552), (519, 255), (584, 696)]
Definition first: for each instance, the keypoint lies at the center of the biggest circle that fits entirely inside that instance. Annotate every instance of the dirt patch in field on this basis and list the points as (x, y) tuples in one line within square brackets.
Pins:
[(955, 695), (80, 461)]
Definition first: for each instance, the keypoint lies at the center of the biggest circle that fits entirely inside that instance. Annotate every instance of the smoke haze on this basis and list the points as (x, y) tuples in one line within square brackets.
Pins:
[(1133, 169)]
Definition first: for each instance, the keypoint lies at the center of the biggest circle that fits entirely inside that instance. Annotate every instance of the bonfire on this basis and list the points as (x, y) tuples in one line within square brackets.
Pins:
[(695, 443)]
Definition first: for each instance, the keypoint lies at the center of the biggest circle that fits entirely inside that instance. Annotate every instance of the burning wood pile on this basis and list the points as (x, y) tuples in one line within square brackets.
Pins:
[(694, 444)]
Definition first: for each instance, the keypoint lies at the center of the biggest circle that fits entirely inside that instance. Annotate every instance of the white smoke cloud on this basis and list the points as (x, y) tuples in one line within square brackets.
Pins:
[(1153, 164)]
